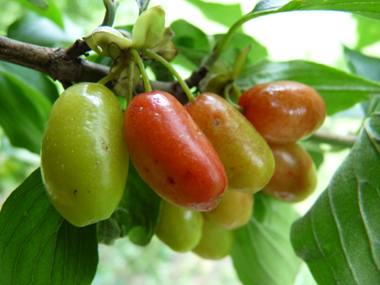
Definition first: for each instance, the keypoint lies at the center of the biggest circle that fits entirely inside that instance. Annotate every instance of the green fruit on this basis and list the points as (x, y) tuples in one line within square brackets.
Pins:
[(233, 211), (246, 156), (216, 242), (84, 160), (179, 228)]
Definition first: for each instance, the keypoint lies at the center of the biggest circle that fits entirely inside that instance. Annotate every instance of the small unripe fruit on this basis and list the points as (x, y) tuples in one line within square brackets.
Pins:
[(179, 228)]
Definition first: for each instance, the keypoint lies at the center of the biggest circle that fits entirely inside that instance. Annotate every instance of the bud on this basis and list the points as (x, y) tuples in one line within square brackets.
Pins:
[(149, 28), (107, 41), (169, 52), (166, 47)]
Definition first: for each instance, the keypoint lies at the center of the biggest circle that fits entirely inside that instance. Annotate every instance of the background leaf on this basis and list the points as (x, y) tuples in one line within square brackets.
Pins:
[(339, 237), (240, 41), (191, 42), (36, 80), (368, 31), (224, 14), (23, 112), (262, 253), (35, 29), (41, 4), (367, 67), (365, 8), (340, 90), (362, 65), (138, 211), (53, 13), (35, 240)]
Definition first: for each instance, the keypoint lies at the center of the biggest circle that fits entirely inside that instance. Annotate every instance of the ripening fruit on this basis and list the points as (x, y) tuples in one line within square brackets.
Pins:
[(171, 153), (233, 211), (84, 160), (295, 176), (179, 228), (216, 242), (246, 156), (283, 111)]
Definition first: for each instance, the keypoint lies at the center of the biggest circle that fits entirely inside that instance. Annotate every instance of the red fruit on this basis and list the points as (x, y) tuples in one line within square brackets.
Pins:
[(283, 111), (171, 153), (295, 177)]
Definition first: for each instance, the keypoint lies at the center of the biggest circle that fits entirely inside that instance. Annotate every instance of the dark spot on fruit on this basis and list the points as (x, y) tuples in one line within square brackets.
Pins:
[(88, 191), (156, 161), (233, 167), (261, 148), (217, 122), (187, 173), (171, 180), (147, 170), (75, 191)]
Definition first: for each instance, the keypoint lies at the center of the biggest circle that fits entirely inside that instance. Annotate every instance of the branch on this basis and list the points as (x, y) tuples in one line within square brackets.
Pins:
[(66, 66), (333, 139), (60, 64)]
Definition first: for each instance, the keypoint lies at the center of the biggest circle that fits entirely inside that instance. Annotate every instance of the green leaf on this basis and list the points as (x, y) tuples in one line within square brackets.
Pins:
[(108, 231), (224, 14), (339, 237), (262, 252), (191, 42), (367, 67), (160, 71), (340, 90), (37, 246), (365, 8), (362, 65), (368, 31), (40, 4), (36, 80), (53, 13), (137, 214), (23, 112), (240, 41), (38, 30)]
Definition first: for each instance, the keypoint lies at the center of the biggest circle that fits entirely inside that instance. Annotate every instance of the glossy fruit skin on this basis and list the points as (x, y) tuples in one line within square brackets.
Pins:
[(246, 156), (295, 176), (216, 242), (179, 228), (283, 111), (171, 153), (84, 160), (234, 210)]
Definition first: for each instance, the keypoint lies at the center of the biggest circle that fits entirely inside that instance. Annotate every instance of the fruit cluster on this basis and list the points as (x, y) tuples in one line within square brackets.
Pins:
[(285, 112), (205, 159)]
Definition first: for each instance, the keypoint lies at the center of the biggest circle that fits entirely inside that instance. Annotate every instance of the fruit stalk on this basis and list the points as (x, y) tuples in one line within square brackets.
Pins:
[(111, 7), (164, 62), (141, 66)]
